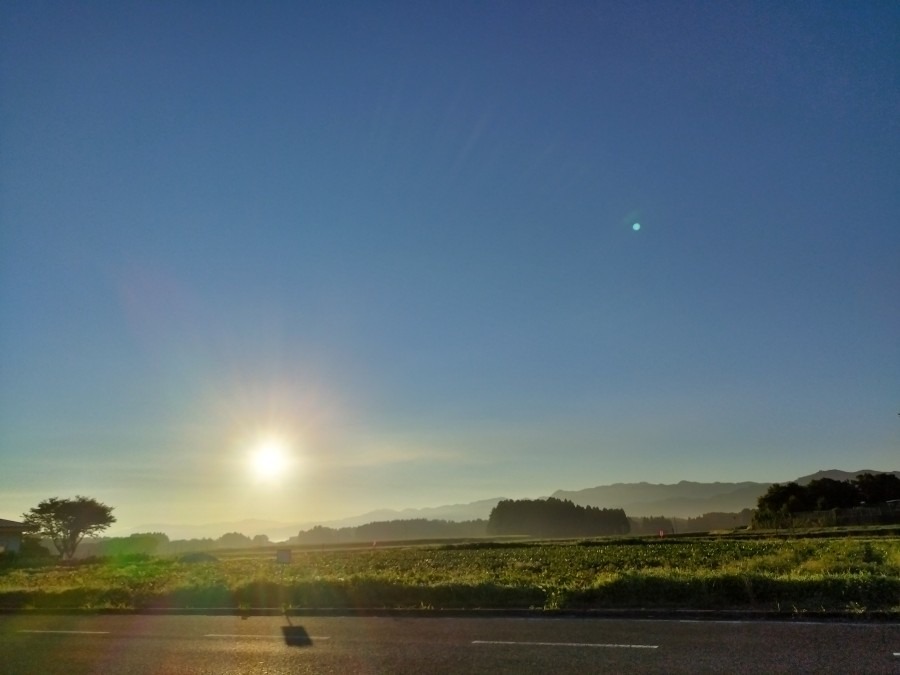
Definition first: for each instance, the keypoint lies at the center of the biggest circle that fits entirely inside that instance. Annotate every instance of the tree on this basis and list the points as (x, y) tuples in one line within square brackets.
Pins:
[(878, 488), (66, 521), (827, 493), (234, 540), (790, 497)]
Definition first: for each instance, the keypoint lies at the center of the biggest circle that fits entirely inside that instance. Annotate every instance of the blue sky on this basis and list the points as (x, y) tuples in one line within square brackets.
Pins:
[(398, 237)]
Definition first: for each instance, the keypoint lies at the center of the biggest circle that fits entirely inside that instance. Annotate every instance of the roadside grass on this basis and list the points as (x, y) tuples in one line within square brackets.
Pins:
[(857, 574)]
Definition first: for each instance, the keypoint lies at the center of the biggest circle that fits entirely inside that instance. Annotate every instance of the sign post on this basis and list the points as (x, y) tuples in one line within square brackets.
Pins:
[(282, 558)]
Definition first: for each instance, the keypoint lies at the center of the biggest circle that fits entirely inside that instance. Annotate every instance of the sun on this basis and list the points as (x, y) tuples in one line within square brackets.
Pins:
[(270, 459)]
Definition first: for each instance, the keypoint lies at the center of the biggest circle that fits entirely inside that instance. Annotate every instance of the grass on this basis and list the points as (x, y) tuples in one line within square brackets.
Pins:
[(856, 574)]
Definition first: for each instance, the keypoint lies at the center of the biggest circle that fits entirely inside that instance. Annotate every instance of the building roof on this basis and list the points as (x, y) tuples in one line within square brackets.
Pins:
[(11, 524)]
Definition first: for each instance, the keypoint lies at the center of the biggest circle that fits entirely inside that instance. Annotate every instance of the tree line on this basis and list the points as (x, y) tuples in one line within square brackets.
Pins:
[(824, 494), (71, 525), (143, 543), (158, 543), (65, 523), (554, 517), (392, 530), (708, 521)]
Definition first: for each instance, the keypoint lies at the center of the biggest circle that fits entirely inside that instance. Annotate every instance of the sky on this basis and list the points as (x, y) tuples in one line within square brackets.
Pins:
[(397, 243)]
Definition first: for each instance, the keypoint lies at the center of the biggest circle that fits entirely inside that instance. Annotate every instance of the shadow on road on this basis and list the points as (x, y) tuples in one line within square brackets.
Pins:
[(296, 636)]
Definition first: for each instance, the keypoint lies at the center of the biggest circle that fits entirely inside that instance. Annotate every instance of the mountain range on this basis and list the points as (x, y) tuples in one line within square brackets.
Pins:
[(685, 499)]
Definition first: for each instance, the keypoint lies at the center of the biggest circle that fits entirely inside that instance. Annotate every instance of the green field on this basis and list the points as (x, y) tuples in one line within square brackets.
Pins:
[(856, 574)]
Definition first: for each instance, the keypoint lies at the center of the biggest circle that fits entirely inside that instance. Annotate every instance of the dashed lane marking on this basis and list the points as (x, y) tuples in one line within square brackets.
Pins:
[(562, 644)]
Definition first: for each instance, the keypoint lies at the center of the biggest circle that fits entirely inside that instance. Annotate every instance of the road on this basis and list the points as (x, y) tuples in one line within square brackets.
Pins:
[(220, 645)]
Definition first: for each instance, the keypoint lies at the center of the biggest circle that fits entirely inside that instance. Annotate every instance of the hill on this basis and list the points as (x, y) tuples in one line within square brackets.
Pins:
[(835, 474), (685, 499)]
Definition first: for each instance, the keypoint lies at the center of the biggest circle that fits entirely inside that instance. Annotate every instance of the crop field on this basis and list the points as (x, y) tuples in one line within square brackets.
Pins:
[(856, 574)]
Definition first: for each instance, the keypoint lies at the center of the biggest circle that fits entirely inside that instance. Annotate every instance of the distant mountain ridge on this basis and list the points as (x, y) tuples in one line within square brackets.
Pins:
[(458, 512), (685, 499), (278, 530), (835, 474)]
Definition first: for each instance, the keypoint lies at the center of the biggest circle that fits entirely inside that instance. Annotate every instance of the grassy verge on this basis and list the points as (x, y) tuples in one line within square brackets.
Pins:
[(849, 574)]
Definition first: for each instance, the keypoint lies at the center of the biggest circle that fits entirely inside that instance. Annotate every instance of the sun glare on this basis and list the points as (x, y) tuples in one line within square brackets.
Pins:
[(270, 459)]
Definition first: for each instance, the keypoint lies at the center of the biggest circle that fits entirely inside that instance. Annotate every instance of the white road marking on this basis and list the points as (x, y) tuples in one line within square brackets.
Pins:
[(562, 644), (69, 632), (761, 622), (264, 637)]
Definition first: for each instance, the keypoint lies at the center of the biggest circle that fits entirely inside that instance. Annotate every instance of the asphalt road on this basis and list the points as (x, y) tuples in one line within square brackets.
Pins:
[(182, 645)]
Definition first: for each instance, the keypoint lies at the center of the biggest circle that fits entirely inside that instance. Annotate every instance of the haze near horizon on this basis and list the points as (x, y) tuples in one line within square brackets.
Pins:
[(298, 262)]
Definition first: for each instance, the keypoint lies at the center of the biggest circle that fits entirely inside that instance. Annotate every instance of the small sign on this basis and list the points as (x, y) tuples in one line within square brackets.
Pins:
[(283, 556)]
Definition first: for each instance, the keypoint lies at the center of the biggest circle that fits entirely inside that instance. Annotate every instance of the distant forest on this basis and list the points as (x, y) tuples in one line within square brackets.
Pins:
[(158, 543), (783, 502), (827, 493), (553, 517), (392, 530), (535, 518), (705, 523)]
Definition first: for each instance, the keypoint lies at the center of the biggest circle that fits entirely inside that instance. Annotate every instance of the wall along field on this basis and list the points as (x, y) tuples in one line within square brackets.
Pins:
[(835, 574)]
